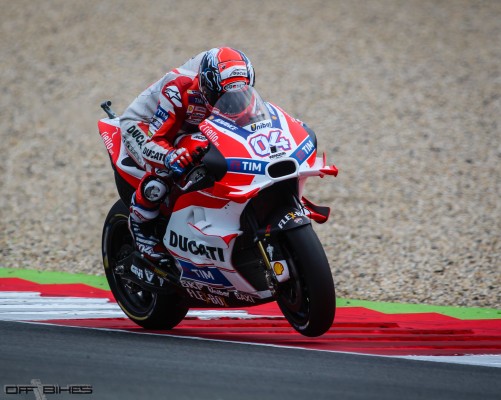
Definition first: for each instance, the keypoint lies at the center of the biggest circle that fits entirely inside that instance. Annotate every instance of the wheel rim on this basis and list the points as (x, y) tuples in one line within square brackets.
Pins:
[(293, 297)]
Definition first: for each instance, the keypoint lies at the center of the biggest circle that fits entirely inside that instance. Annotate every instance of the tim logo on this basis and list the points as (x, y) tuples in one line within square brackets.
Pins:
[(246, 166), (304, 151)]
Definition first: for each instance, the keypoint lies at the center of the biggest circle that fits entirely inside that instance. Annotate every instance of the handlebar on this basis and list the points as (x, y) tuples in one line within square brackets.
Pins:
[(106, 106)]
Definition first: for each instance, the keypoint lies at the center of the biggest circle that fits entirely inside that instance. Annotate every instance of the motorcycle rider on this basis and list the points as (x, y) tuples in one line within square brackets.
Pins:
[(155, 121)]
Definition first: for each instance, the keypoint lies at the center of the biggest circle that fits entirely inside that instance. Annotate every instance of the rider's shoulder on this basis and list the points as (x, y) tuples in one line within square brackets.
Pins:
[(190, 67)]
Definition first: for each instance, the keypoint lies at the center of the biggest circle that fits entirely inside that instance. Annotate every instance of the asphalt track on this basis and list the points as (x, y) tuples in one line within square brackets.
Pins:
[(67, 333), (122, 365)]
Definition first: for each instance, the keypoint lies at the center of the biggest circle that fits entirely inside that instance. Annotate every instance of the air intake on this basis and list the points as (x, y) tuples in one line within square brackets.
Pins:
[(282, 168)]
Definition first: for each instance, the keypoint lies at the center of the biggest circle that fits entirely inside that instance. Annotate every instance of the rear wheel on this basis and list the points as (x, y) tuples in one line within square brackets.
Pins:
[(308, 299), (147, 309)]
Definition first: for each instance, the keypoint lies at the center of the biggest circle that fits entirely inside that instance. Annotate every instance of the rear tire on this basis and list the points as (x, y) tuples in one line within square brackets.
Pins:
[(147, 309), (308, 299)]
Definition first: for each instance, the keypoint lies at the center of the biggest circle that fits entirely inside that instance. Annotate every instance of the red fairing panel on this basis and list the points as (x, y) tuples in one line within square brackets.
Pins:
[(298, 132), (199, 199), (111, 138), (223, 142), (110, 133)]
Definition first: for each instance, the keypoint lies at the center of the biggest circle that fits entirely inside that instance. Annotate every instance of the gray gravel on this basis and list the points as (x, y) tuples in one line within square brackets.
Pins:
[(405, 97)]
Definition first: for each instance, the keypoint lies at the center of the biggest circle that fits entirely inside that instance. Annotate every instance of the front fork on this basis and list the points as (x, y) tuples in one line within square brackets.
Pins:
[(276, 266)]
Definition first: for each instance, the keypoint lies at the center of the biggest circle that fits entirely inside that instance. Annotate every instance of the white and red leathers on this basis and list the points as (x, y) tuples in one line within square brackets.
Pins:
[(171, 107), (150, 125)]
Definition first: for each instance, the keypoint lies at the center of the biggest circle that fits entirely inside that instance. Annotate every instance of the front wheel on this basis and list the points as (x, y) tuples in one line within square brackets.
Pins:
[(308, 298), (147, 309)]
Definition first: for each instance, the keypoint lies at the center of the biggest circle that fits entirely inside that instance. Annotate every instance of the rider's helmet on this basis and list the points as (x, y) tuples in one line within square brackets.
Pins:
[(223, 70)]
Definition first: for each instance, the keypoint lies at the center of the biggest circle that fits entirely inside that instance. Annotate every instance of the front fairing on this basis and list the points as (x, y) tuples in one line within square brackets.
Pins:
[(261, 145)]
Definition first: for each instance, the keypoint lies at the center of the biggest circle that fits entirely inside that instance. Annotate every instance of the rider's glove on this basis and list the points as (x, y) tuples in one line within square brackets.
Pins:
[(177, 160)]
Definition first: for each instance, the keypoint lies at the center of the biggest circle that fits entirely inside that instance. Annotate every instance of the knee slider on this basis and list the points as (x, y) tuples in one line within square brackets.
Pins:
[(154, 190)]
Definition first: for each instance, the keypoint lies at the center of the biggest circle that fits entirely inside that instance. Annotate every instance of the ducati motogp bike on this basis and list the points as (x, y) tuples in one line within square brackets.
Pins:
[(236, 225)]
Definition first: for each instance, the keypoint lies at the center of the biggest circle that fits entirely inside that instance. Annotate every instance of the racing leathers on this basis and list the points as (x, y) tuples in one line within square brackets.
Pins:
[(150, 126)]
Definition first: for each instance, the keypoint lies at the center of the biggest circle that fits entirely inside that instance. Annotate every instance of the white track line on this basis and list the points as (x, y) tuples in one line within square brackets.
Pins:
[(31, 306), (486, 360)]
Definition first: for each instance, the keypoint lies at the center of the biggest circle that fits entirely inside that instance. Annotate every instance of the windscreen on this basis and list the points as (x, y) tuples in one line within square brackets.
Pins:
[(243, 106)]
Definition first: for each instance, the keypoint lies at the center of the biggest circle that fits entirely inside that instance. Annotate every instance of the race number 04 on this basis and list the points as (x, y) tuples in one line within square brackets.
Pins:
[(262, 144)]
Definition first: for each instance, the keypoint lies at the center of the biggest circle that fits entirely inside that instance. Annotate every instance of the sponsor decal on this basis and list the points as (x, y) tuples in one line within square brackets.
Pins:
[(219, 292), (154, 155), (234, 86), (190, 246), (137, 271), (206, 297), (244, 297), (238, 72), (195, 100), (199, 286), (212, 295), (278, 268), (138, 135), (108, 140), (192, 285), (149, 275), (281, 270), (155, 123), (292, 216), (132, 150), (246, 166), (270, 249), (260, 125), (278, 155), (211, 134), (230, 69), (161, 114), (202, 275), (304, 151), (196, 118), (225, 124), (198, 137), (172, 92)]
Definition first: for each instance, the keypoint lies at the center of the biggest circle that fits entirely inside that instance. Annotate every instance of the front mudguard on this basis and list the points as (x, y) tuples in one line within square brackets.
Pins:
[(284, 219)]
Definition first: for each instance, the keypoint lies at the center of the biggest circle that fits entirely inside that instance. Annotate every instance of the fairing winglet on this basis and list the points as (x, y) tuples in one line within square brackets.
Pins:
[(319, 214)]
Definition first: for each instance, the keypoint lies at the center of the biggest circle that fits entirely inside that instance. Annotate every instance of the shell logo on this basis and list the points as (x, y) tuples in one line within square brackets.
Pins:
[(278, 268)]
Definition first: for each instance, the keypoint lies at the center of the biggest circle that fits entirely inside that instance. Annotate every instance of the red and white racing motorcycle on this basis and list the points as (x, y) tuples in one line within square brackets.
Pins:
[(237, 226)]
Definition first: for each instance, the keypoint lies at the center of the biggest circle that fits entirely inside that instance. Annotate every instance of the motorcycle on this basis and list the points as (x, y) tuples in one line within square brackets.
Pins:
[(236, 225)]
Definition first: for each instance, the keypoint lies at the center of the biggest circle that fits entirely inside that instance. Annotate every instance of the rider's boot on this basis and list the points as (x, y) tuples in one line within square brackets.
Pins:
[(144, 216)]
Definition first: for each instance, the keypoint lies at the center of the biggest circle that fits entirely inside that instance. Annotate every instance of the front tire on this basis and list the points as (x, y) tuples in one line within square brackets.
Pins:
[(147, 309), (308, 299)]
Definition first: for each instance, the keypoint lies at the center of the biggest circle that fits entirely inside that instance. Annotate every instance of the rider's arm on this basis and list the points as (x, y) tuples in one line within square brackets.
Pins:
[(167, 121), (150, 124), (135, 121)]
